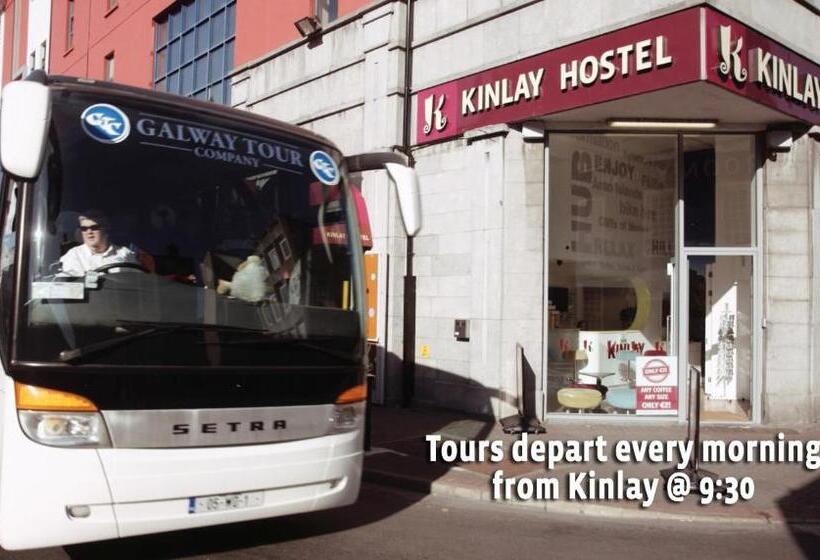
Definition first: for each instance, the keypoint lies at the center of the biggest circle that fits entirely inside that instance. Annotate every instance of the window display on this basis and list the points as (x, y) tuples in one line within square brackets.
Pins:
[(611, 235), (612, 276)]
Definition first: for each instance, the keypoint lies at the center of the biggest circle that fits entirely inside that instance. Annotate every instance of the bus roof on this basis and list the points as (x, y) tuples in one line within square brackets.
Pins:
[(178, 102)]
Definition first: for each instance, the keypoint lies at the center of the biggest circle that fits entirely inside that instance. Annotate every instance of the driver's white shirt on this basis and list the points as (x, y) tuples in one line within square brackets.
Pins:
[(80, 259)]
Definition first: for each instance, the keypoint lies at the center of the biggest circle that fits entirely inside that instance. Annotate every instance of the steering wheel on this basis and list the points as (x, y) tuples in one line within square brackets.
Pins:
[(109, 266)]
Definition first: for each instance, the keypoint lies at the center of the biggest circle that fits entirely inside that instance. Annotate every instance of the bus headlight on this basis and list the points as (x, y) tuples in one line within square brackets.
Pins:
[(348, 412), (65, 429), (347, 417), (59, 418)]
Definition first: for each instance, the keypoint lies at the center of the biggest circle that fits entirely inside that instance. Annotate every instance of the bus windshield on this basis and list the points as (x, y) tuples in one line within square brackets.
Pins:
[(157, 238)]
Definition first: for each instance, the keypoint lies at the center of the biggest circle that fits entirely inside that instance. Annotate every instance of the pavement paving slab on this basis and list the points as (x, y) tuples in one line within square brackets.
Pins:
[(783, 492)]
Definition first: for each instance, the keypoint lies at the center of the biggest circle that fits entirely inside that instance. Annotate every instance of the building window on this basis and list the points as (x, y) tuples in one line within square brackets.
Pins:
[(37, 58), (108, 71), (42, 52), (327, 10), (616, 300), (194, 49), (69, 27), (17, 65), (610, 239)]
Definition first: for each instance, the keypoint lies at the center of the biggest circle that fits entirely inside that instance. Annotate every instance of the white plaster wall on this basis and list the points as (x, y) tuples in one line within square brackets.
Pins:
[(39, 28)]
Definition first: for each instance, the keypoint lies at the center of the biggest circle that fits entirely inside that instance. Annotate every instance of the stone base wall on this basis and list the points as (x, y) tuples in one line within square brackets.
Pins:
[(479, 257), (789, 385)]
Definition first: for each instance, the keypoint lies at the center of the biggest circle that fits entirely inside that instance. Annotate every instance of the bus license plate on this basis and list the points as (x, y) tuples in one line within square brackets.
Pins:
[(224, 502)]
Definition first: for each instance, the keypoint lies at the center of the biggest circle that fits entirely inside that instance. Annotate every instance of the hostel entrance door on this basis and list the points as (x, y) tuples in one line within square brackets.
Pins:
[(720, 275)]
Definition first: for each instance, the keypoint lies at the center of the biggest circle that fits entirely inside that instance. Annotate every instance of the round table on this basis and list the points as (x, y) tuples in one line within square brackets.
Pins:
[(598, 375)]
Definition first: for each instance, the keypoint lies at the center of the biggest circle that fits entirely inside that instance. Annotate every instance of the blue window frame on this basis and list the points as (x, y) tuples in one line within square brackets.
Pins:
[(326, 10), (194, 47)]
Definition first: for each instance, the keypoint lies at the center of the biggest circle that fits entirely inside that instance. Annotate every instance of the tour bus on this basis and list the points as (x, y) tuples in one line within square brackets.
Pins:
[(181, 314)]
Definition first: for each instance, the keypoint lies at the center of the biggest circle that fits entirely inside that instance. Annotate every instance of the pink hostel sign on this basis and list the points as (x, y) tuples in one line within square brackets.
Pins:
[(649, 56)]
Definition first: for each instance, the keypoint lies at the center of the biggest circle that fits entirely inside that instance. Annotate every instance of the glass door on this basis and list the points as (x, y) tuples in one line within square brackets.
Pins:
[(720, 340), (720, 319)]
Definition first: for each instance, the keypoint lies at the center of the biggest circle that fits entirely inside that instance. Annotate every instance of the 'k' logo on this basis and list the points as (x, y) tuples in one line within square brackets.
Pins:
[(730, 63), (433, 118)]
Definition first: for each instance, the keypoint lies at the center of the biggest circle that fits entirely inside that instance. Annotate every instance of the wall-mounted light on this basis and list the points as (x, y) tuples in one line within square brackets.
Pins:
[(532, 131), (660, 124), (308, 26), (778, 141)]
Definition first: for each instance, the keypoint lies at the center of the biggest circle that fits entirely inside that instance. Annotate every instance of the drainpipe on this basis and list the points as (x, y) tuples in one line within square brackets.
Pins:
[(409, 309)]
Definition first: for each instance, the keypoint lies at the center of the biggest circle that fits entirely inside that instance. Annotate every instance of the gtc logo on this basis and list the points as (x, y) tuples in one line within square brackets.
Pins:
[(730, 62), (105, 123), (111, 126), (433, 117), (324, 168)]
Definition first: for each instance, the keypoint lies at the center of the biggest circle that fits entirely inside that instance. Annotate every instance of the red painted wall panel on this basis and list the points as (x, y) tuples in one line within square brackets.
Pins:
[(127, 31), (22, 36), (263, 26), (10, 39), (8, 27), (350, 6)]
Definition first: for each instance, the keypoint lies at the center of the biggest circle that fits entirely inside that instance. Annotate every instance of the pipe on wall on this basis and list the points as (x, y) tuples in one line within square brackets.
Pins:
[(409, 307)]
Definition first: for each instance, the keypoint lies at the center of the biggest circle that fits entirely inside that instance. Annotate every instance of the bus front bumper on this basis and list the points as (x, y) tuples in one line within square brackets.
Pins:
[(137, 491)]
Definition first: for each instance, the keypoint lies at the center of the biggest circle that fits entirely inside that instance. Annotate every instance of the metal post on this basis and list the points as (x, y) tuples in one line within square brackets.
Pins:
[(409, 308), (695, 462), (369, 377), (692, 470), (525, 421), (367, 412)]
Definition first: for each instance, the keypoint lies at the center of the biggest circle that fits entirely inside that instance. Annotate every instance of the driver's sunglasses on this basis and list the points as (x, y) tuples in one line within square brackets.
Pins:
[(95, 227)]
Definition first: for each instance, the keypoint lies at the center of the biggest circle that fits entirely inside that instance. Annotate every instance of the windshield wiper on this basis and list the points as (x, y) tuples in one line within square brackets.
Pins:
[(74, 354), (268, 339), (191, 325)]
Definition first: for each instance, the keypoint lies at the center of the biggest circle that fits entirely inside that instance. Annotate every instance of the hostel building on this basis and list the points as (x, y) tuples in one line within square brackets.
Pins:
[(620, 198), (626, 191)]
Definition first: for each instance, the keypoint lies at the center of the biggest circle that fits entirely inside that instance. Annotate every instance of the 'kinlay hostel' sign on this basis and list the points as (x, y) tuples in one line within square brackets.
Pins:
[(754, 66), (650, 56)]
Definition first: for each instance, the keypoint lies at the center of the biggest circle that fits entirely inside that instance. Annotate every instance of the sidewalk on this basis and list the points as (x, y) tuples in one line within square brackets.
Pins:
[(783, 493)]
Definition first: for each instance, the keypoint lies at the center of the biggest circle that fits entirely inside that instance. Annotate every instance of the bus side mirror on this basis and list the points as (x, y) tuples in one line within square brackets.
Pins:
[(25, 110), (404, 177), (407, 186)]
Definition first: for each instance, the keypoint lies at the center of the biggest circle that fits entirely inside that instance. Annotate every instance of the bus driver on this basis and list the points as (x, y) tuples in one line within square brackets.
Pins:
[(96, 250)]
